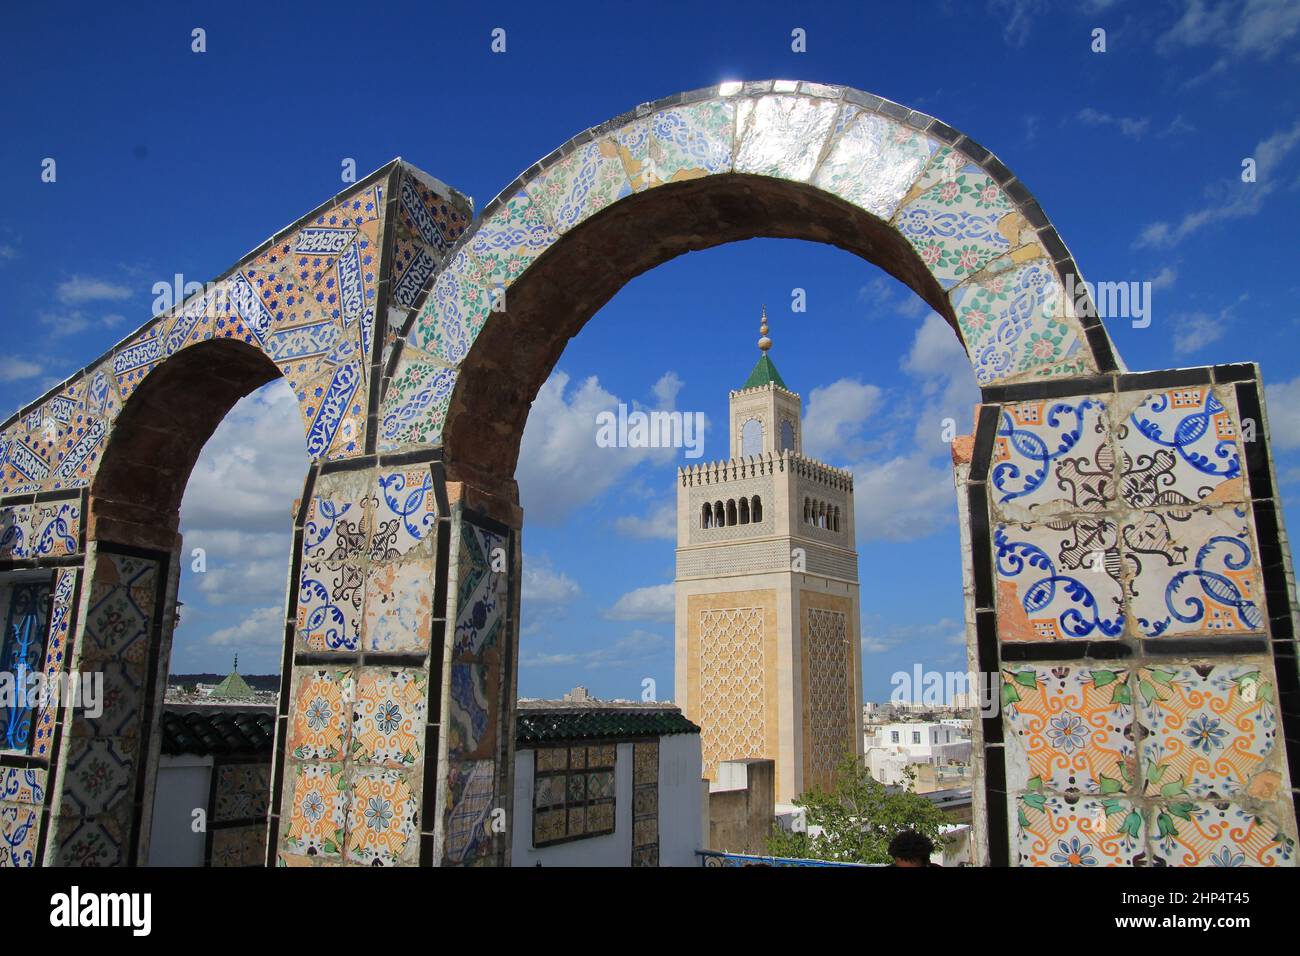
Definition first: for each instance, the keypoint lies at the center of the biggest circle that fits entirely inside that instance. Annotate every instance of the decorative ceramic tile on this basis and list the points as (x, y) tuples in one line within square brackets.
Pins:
[(1051, 456), (317, 811), (1017, 324), (405, 512), (121, 696), (399, 606), (242, 792), (503, 246), (471, 797), (239, 846), (435, 218), (44, 530), (1059, 580), (23, 784), (645, 763), (581, 184), (20, 827), (100, 775), (1208, 731), (415, 405), (338, 522), (121, 609), (388, 720), (98, 842), (475, 695), (15, 531), (1070, 728), (688, 142), (955, 223), (1061, 831), (321, 714), (872, 161), (782, 135), (483, 591), (1193, 571), (452, 316), (330, 601), (1217, 834), (56, 647), (1179, 447), (383, 819)]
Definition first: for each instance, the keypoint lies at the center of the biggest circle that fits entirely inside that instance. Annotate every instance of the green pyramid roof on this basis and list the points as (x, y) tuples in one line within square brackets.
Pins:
[(764, 373), (233, 686)]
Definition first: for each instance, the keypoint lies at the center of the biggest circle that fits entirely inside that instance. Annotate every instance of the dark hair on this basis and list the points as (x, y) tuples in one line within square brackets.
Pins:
[(910, 845)]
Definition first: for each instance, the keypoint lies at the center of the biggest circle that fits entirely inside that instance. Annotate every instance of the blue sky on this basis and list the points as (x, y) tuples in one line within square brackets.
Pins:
[(171, 161)]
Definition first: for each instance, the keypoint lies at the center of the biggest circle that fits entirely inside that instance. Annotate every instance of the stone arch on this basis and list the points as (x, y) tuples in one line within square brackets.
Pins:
[(776, 158)]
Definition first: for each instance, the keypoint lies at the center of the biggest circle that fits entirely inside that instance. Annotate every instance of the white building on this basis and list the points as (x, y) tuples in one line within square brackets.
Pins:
[(606, 783), (896, 746)]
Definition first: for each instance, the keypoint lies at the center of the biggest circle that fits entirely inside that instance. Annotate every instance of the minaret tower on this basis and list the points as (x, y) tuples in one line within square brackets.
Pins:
[(767, 647)]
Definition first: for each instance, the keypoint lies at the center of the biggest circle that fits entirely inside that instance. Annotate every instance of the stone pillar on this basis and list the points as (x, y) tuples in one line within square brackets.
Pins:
[(398, 673), (1132, 591)]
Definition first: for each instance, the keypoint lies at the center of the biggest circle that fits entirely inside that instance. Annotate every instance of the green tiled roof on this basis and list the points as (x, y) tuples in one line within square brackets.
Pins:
[(764, 373), (540, 726), (222, 733), (233, 686)]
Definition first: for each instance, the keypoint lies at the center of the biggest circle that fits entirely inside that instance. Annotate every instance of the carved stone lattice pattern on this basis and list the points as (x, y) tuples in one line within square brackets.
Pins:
[(731, 685), (830, 663)]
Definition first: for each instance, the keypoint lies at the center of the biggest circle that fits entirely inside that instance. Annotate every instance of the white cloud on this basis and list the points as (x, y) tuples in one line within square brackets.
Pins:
[(1127, 125), (560, 465), (1257, 29), (80, 289), (1284, 414), (659, 524), (17, 369), (261, 627), (902, 499), (835, 416), (8, 252), (251, 469), (1229, 200), (637, 647), (947, 384), (654, 603), (242, 567), (1195, 330), (542, 584), (1165, 279)]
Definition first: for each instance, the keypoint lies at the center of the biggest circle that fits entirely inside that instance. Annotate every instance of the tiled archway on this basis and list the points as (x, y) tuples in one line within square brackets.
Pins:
[(415, 373)]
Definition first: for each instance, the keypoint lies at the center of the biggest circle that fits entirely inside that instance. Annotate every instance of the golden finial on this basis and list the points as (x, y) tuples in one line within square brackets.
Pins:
[(764, 343)]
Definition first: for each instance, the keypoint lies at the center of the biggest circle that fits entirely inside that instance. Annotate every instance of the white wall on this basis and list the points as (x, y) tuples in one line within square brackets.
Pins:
[(680, 810), (183, 785)]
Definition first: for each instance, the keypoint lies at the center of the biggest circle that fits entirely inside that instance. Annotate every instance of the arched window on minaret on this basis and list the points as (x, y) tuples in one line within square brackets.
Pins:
[(787, 435), (731, 511), (751, 438), (821, 514), (756, 512), (835, 519), (744, 511), (719, 515), (807, 512), (706, 516)]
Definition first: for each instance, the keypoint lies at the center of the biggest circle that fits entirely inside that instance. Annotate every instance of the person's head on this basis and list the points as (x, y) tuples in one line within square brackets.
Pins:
[(909, 848)]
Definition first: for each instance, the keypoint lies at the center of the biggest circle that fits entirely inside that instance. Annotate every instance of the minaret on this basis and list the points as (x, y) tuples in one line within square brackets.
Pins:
[(767, 653)]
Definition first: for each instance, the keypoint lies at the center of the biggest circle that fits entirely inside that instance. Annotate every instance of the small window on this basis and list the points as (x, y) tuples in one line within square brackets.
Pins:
[(744, 511), (787, 435), (916, 736), (731, 511), (25, 611), (573, 792), (706, 516), (756, 512), (893, 736), (751, 438)]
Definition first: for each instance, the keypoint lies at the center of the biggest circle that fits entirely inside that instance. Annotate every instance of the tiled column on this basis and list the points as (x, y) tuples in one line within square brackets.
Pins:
[(106, 764), (1132, 591), (389, 748)]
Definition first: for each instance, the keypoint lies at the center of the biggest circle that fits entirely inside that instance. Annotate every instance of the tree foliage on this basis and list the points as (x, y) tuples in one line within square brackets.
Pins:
[(858, 817)]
